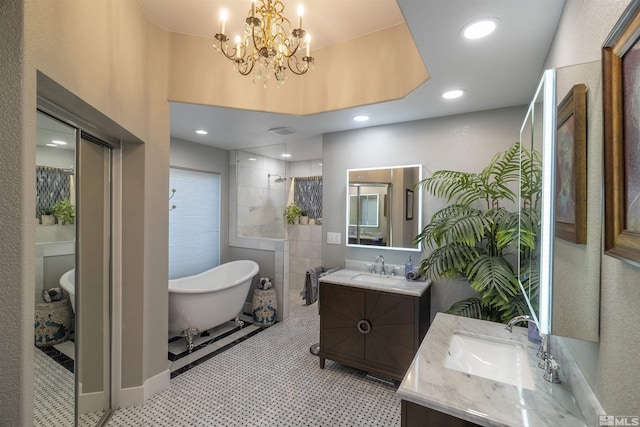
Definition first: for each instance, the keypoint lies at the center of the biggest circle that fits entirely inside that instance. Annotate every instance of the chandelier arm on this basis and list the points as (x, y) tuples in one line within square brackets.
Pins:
[(297, 70), (247, 71), (225, 52)]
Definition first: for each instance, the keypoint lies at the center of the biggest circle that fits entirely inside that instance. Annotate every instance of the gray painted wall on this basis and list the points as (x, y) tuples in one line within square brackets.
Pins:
[(611, 366), (462, 142)]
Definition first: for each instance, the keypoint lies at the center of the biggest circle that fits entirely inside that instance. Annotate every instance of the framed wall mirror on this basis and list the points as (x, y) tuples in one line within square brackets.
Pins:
[(383, 207)]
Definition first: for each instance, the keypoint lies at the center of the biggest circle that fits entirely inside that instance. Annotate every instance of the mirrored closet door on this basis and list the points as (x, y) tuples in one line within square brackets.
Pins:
[(73, 283)]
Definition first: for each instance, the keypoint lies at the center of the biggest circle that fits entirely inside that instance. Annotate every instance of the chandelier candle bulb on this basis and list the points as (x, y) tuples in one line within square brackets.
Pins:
[(308, 44), (253, 8), (223, 20), (238, 47), (300, 13)]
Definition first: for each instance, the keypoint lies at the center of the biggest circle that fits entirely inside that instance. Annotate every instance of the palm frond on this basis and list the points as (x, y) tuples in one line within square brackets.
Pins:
[(493, 277), (475, 309), (454, 223), (454, 186), (448, 262)]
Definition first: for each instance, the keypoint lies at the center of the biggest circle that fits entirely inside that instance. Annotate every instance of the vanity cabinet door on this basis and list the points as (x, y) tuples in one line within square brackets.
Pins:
[(341, 308), (371, 330), (393, 339)]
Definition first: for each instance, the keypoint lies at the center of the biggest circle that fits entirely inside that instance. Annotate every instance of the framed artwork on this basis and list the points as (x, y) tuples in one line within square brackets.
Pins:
[(571, 167), (621, 99), (408, 204)]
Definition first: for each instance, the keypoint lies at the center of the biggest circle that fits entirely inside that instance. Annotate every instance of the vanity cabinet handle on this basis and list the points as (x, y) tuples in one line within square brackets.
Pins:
[(364, 326)]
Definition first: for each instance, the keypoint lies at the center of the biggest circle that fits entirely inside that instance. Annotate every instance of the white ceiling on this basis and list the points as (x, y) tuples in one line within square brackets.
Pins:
[(499, 71)]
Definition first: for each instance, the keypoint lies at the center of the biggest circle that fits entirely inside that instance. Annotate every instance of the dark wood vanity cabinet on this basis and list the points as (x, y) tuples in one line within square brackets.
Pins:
[(413, 415), (372, 330)]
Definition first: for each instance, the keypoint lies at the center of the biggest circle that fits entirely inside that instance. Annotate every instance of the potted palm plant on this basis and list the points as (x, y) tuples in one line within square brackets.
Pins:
[(477, 238)]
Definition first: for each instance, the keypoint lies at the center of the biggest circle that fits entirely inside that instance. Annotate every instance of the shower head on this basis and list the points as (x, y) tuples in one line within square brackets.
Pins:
[(278, 179)]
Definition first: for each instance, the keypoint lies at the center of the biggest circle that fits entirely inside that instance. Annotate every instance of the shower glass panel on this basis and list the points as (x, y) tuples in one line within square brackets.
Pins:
[(261, 192)]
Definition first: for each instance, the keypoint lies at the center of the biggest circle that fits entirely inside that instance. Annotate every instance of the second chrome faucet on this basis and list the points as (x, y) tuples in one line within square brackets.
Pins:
[(382, 269)]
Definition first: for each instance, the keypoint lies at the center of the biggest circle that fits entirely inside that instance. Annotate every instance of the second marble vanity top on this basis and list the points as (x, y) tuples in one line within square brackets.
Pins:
[(480, 400), (361, 279)]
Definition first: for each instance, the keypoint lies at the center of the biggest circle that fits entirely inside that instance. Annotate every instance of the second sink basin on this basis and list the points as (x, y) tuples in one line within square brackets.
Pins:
[(490, 357), (377, 278)]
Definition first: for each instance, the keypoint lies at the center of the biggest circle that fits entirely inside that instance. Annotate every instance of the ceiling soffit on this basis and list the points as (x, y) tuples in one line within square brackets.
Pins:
[(377, 67)]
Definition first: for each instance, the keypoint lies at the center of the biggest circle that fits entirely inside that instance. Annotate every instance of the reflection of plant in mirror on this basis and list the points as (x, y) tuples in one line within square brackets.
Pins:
[(64, 211), (292, 212), (480, 244)]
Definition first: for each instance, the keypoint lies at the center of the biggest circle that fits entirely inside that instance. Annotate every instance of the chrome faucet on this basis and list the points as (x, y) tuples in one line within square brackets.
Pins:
[(518, 319), (547, 362), (382, 269)]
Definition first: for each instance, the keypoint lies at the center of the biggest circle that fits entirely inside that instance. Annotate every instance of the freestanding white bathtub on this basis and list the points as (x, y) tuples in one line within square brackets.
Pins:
[(68, 283), (210, 298)]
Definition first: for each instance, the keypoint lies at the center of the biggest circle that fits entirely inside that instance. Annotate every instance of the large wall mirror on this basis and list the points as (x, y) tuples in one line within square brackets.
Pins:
[(576, 266), (383, 207), (567, 300)]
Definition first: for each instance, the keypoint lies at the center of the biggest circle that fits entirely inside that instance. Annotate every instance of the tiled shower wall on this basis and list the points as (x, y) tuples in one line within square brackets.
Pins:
[(305, 251)]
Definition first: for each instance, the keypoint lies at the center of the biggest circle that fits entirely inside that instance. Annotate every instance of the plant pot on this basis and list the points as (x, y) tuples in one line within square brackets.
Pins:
[(312, 221), (304, 220), (48, 219)]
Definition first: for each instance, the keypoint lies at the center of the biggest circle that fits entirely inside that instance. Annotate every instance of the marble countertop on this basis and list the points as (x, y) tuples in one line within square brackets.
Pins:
[(393, 284), (479, 400)]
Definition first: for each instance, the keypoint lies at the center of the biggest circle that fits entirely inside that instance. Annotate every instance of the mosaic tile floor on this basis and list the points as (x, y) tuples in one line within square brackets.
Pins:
[(215, 341), (270, 379), (53, 392)]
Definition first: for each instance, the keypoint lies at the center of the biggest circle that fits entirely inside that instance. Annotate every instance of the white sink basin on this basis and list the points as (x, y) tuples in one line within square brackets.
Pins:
[(489, 357), (377, 279)]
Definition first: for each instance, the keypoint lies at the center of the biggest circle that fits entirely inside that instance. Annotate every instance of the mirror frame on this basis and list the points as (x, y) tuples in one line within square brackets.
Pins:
[(547, 90), (417, 203)]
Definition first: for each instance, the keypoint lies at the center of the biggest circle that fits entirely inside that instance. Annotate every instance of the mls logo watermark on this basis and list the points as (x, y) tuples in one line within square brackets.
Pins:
[(617, 420)]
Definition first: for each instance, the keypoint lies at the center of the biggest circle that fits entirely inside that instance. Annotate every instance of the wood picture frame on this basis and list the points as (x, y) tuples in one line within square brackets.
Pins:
[(408, 201), (621, 105), (571, 167)]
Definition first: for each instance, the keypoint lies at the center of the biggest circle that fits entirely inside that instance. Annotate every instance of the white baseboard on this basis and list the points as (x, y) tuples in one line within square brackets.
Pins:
[(92, 402), (157, 383), (136, 396)]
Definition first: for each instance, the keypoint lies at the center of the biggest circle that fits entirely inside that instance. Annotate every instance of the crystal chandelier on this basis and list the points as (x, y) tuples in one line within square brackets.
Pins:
[(268, 45)]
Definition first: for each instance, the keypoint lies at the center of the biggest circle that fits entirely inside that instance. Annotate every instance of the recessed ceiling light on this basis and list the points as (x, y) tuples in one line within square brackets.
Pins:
[(361, 118), (452, 94), (201, 132), (286, 155), (252, 159), (58, 142), (319, 164), (479, 29), (51, 145)]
